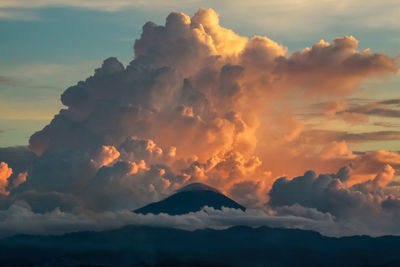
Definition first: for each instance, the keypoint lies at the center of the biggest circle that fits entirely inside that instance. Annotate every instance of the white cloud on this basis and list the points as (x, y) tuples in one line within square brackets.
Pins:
[(19, 218)]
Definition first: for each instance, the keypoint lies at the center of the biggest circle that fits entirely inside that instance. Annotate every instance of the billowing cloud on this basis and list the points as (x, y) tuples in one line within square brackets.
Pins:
[(20, 179), (105, 156), (364, 204), (5, 173), (200, 103), (6, 183), (340, 62), (336, 150)]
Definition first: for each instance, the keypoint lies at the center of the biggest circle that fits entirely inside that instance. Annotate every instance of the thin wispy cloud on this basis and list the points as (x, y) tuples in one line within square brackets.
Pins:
[(307, 15)]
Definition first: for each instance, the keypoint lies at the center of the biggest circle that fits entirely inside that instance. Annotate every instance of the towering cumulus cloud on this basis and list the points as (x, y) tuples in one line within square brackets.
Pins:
[(199, 103)]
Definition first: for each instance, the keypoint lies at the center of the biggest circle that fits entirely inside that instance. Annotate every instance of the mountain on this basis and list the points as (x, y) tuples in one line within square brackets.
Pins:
[(236, 246), (191, 198)]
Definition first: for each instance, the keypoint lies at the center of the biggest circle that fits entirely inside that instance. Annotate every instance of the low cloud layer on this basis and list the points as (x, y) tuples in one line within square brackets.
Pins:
[(59, 222), (199, 103)]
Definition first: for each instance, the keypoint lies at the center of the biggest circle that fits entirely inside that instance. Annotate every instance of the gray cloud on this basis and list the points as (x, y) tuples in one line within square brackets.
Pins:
[(360, 204), (376, 111), (390, 102)]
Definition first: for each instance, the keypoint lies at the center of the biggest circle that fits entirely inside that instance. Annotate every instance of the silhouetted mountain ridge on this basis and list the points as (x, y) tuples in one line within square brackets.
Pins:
[(236, 246)]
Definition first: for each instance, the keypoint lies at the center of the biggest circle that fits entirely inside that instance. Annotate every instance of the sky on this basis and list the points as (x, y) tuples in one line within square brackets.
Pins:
[(102, 111)]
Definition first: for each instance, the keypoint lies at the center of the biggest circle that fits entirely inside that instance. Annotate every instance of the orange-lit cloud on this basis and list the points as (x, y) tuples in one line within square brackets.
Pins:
[(6, 183), (105, 156), (5, 173), (217, 104), (200, 103)]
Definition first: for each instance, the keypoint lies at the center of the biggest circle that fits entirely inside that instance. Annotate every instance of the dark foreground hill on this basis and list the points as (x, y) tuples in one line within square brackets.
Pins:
[(237, 246), (191, 198)]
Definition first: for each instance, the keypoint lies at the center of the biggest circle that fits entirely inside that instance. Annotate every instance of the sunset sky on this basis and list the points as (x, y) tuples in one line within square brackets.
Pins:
[(241, 95)]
